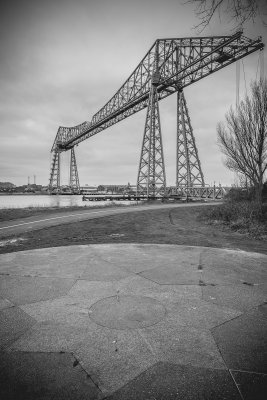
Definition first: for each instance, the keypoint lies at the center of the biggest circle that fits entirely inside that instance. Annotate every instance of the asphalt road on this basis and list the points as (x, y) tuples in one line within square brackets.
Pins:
[(19, 226)]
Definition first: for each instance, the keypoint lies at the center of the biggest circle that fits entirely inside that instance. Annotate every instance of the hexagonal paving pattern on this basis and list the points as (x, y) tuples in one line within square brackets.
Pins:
[(121, 309)]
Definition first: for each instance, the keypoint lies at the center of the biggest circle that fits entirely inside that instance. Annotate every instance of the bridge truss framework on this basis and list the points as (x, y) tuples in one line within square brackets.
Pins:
[(168, 67)]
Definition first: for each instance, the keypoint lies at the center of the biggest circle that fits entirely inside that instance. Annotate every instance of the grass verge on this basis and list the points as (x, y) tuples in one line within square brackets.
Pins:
[(180, 226)]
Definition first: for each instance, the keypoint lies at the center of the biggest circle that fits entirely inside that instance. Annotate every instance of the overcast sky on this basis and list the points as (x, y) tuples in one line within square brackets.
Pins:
[(61, 60)]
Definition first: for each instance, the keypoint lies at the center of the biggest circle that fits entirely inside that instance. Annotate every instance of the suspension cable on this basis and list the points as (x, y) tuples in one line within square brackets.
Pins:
[(244, 76), (258, 64), (261, 58), (237, 82)]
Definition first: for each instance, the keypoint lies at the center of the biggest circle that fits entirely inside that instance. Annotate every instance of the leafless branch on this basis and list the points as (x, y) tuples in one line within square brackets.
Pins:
[(243, 137), (238, 10)]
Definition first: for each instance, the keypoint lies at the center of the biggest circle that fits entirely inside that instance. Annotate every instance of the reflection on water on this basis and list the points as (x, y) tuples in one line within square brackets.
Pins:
[(23, 201)]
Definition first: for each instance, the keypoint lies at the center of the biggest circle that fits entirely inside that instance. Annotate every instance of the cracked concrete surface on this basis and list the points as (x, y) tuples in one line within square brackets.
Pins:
[(128, 312)]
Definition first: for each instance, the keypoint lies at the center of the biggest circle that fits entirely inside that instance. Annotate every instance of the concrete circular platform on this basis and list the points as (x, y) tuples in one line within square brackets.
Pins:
[(132, 315), (127, 312)]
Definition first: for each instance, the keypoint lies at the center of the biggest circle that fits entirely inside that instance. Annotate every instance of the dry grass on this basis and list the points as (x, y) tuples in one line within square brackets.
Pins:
[(180, 226), (240, 216)]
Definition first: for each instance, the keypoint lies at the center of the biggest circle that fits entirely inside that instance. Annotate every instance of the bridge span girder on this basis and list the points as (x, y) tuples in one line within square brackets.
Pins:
[(178, 63)]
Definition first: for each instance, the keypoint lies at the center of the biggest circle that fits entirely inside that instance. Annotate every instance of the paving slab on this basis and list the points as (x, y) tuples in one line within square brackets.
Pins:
[(167, 294), (243, 342), (137, 257), (136, 284), (93, 290), (174, 342), (114, 357), (28, 289), (44, 376), (13, 323), (55, 262), (165, 381), (252, 386), (99, 270), (64, 310), (233, 267), (200, 313), (239, 297), (179, 274), (51, 336)]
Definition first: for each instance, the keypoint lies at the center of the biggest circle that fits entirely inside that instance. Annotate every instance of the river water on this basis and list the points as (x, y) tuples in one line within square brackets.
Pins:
[(24, 201)]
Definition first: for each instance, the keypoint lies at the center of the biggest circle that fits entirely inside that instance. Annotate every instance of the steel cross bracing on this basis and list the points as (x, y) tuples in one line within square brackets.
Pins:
[(180, 63), (151, 180), (74, 178), (188, 168), (209, 192), (54, 181)]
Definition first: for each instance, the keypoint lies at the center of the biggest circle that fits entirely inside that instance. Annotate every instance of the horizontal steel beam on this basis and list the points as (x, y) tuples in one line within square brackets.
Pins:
[(177, 63), (205, 192)]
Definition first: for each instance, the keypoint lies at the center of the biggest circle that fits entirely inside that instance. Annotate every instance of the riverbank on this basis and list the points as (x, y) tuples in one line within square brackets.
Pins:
[(24, 194)]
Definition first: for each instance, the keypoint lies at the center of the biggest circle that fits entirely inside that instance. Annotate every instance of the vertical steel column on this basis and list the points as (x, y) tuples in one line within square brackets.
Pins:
[(188, 168), (54, 181), (151, 180), (74, 178)]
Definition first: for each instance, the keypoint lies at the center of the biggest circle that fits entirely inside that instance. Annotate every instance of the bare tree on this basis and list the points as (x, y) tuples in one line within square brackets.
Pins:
[(238, 10), (244, 138)]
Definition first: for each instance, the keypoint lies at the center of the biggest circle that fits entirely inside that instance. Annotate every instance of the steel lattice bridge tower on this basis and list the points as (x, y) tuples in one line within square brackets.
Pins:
[(169, 66)]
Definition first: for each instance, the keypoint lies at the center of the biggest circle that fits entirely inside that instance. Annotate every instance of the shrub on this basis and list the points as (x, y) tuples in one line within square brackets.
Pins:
[(242, 215), (240, 194)]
